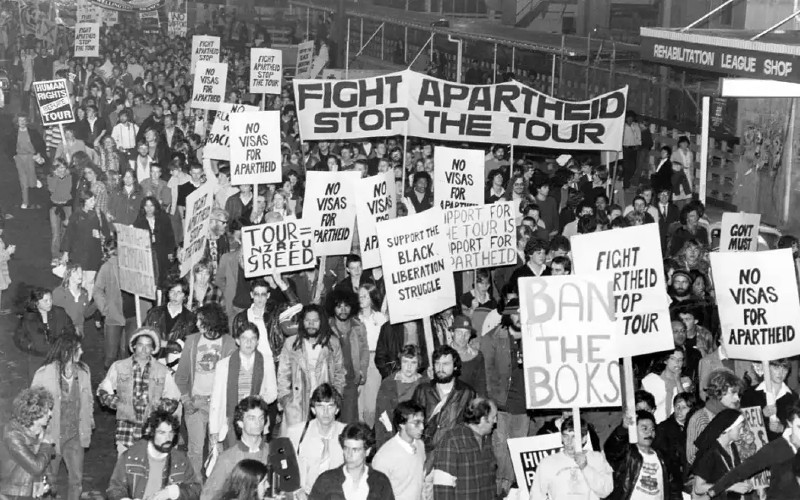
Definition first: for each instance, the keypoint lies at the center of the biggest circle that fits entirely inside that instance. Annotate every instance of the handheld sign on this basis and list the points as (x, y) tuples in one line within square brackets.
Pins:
[(218, 141), (640, 297), (458, 177), (375, 202), (305, 56), (136, 273), (481, 236), (528, 452), (87, 12), (109, 17), (195, 230), (255, 147), (178, 24), (419, 276), (329, 208), (758, 304), (266, 71), (739, 232), (55, 106), (209, 85), (752, 438), (569, 341), (282, 247), (204, 49), (87, 40)]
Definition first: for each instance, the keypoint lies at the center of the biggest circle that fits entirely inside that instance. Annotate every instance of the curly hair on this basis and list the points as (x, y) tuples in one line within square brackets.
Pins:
[(720, 381), (30, 405), (35, 296), (245, 405), (158, 417), (477, 409), (339, 297), (358, 431), (213, 318)]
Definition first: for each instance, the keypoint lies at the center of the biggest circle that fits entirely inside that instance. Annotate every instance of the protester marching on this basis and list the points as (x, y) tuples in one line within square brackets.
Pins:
[(392, 286)]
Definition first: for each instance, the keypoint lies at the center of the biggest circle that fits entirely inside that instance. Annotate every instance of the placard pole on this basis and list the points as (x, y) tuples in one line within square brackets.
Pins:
[(768, 388), (138, 299), (426, 326), (320, 278), (630, 398), (704, 131), (576, 423), (64, 142), (191, 289)]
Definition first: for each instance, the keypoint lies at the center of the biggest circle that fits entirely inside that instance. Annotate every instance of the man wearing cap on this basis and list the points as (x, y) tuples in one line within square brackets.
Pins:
[(472, 365), (136, 386), (681, 289), (505, 382)]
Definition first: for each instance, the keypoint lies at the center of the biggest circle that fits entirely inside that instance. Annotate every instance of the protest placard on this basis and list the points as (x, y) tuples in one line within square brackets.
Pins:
[(136, 272), (739, 232), (329, 209), (218, 140), (528, 452), (88, 12), (109, 17), (371, 107), (417, 269), (481, 236), (150, 22), (266, 71), (282, 247), (569, 339), (178, 24), (205, 49), (195, 228), (458, 177), (305, 56), (54, 103), (641, 301), (422, 106), (758, 304), (209, 85), (87, 40), (752, 438), (375, 202), (255, 147)]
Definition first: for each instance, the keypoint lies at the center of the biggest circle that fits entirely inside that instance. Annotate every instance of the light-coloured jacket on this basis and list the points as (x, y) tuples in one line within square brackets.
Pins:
[(49, 377), (119, 380), (294, 384)]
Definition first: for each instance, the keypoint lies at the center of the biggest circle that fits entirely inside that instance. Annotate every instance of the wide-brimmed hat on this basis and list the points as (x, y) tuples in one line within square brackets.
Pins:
[(148, 332), (512, 307)]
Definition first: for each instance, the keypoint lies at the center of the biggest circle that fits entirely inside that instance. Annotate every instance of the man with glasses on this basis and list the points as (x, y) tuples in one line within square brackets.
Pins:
[(402, 458), (316, 440), (137, 386), (153, 468)]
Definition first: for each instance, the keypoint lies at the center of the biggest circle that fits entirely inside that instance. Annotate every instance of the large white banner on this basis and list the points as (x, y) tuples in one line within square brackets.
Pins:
[(329, 209), (209, 85), (739, 232), (266, 71), (375, 202), (419, 276), (482, 236), (217, 145), (281, 247), (458, 177), (87, 40), (255, 147), (205, 49), (569, 341), (759, 308), (641, 300), (195, 226), (422, 106)]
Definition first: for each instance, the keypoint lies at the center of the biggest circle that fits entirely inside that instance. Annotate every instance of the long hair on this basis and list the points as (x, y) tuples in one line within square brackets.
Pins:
[(243, 481), (121, 185), (35, 296), (323, 335), (374, 295), (156, 204), (71, 269), (63, 350)]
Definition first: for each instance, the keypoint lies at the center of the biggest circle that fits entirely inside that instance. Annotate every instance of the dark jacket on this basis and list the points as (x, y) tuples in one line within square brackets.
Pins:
[(390, 343), (387, 401), (496, 349), (33, 336), (100, 126), (172, 341), (129, 478), (756, 397), (20, 466), (276, 298), (328, 485), (36, 140), (777, 457), (84, 249), (124, 207), (427, 396), (626, 460), (162, 240), (671, 442)]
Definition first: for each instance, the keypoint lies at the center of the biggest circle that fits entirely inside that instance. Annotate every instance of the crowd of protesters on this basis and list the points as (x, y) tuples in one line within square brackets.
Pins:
[(220, 371)]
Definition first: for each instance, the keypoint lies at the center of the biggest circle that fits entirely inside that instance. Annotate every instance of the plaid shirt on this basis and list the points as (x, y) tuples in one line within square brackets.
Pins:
[(213, 295), (473, 465), (128, 431)]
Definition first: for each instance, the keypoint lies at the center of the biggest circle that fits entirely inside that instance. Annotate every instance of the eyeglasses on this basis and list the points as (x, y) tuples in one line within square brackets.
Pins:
[(416, 423)]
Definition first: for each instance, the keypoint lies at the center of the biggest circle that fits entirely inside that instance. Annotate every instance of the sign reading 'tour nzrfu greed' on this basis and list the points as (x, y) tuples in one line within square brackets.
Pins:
[(54, 103)]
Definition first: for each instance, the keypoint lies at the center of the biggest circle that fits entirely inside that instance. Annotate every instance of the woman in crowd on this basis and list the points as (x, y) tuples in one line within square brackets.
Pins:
[(717, 454), (93, 179), (396, 388), (162, 241), (41, 324), (83, 240), (157, 149), (111, 159), (125, 202), (691, 257), (495, 189), (25, 454), (279, 209), (73, 298), (248, 481), (480, 296), (664, 381), (370, 314)]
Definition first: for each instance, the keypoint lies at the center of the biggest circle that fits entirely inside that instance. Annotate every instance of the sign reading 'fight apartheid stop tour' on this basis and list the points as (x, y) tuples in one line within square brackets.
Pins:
[(54, 103), (329, 208), (282, 247), (416, 266), (87, 40), (196, 223), (569, 341), (633, 254), (758, 303), (739, 232), (266, 70), (204, 49), (255, 138)]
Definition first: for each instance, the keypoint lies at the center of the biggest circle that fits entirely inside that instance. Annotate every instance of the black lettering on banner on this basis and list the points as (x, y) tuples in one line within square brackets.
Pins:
[(752, 294), (276, 246), (741, 237), (531, 460), (427, 265), (481, 236)]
